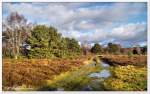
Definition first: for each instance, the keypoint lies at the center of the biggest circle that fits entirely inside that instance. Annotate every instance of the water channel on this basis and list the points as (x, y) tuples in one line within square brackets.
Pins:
[(98, 77)]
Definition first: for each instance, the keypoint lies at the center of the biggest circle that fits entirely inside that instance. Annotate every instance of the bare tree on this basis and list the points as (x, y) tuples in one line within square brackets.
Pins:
[(16, 30), (86, 47)]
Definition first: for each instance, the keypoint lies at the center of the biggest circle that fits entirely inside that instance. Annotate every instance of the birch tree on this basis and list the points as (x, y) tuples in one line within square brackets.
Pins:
[(15, 32)]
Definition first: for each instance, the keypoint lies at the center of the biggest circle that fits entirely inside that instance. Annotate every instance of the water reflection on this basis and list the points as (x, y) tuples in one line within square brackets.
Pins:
[(104, 65), (105, 73), (102, 74)]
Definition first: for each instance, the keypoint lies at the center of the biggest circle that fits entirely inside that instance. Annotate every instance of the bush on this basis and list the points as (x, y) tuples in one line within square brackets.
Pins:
[(127, 78), (130, 54), (96, 48)]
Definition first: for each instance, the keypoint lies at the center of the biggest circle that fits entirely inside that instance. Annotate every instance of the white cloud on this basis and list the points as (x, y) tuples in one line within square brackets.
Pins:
[(93, 24), (130, 32), (133, 33), (60, 13), (85, 25)]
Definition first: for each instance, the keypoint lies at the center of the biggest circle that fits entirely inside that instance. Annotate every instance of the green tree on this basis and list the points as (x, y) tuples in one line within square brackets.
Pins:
[(113, 48), (96, 48), (46, 42), (42, 40), (72, 45)]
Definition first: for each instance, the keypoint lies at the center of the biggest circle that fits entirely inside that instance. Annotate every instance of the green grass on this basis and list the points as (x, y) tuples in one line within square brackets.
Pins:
[(71, 81)]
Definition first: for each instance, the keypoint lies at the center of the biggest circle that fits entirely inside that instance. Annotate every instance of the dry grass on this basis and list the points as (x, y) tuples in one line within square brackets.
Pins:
[(34, 72), (139, 60)]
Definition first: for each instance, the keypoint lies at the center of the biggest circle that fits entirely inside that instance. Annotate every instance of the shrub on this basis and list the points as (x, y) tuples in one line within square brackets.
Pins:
[(127, 78), (96, 48)]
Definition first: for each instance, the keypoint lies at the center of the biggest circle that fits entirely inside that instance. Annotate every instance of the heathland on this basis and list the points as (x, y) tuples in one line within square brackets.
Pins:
[(37, 57)]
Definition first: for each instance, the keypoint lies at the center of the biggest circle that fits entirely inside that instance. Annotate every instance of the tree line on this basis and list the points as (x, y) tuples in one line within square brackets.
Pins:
[(23, 39), (113, 48)]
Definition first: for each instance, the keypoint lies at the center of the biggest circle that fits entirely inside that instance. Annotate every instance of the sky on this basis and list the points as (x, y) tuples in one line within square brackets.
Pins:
[(121, 23)]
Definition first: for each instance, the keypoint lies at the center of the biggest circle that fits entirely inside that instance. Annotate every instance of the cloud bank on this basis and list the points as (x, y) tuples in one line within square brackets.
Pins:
[(124, 23)]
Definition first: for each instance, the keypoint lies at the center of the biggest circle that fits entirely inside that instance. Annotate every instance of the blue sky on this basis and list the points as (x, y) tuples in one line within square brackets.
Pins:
[(123, 23)]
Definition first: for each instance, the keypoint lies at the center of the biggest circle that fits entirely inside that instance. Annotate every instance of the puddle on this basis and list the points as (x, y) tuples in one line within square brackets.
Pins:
[(102, 74), (87, 88), (104, 65)]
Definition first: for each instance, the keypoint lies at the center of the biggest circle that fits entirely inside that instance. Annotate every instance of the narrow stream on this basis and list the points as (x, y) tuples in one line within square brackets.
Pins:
[(104, 73), (98, 77)]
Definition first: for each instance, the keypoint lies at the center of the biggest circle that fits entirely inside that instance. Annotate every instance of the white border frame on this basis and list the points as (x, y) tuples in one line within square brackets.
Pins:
[(90, 92)]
